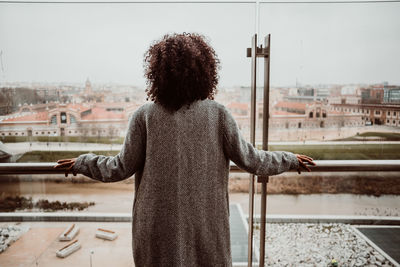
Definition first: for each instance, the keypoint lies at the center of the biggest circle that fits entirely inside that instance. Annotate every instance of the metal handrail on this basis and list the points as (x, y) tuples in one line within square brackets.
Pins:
[(322, 166)]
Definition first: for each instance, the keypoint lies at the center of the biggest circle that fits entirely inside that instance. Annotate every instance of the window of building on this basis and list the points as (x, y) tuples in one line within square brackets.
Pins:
[(377, 112), (388, 113), (72, 119), (299, 125), (53, 119), (394, 113), (63, 117), (42, 132), (16, 133)]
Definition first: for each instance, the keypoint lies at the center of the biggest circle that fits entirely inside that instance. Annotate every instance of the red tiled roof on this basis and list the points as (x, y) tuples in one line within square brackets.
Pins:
[(292, 105), (79, 106), (39, 116), (113, 104), (237, 105), (284, 113), (100, 113)]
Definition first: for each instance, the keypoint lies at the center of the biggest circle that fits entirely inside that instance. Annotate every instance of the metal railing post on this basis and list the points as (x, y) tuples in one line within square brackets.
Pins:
[(252, 140), (264, 180)]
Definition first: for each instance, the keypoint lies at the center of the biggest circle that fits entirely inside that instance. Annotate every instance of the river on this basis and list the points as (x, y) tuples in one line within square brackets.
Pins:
[(118, 197)]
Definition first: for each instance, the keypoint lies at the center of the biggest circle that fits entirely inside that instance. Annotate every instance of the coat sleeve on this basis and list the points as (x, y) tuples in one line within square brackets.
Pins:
[(250, 159), (116, 168)]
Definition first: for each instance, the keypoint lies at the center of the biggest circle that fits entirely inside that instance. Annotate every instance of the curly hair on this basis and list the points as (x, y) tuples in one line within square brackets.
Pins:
[(180, 69)]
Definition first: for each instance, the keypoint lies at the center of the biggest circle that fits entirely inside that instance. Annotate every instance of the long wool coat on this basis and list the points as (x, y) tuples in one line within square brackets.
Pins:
[(181, 166)]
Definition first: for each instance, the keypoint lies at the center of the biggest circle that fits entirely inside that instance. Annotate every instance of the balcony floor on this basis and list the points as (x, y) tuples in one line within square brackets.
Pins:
[(38, 246)]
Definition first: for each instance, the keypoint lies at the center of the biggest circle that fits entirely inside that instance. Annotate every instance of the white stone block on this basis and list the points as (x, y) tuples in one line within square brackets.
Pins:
[(69, 233), (106, 234), (68, 249)]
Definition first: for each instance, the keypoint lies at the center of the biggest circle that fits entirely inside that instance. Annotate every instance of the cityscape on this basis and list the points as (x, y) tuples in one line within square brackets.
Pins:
[(322, 112), (71, 76)]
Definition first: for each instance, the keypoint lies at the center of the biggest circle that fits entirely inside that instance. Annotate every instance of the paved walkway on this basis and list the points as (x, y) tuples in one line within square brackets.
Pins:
[(38, 247)]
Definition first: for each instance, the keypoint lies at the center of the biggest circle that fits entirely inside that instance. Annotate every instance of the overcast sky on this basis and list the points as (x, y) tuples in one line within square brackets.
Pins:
[(311, 43)]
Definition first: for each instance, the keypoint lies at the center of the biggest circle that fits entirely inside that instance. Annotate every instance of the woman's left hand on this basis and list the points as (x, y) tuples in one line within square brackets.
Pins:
[(303, 160), (66, 163)]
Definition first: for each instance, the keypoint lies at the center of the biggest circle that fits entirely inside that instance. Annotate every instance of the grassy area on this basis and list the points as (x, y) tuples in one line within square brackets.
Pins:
[(343, 152), (363, 183), (53, 156), (317, 152), (78, 139), (377, 135)]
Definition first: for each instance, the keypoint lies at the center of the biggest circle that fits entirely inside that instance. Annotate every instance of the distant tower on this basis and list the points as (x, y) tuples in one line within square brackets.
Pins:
[(88, 87)]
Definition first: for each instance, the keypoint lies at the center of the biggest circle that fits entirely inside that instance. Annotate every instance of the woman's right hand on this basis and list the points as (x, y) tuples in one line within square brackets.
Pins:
[(303, 160), (66, 163)]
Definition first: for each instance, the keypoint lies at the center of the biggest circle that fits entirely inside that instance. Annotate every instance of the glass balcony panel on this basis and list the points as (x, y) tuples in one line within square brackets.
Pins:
[(85, 61), (327, 101), (72, 74)]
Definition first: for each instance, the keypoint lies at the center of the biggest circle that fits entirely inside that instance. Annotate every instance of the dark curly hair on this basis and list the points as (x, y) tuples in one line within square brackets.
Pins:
[(181, 68)]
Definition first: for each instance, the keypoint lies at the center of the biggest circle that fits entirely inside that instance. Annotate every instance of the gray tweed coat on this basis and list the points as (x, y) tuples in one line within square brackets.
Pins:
[(181, 166)]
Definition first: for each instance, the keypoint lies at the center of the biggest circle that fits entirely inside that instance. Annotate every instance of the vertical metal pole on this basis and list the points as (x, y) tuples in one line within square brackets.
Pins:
[(252, 140), (264, 180)]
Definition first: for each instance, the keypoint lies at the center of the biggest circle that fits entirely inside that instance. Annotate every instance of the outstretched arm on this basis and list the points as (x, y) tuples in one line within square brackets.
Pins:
[(113, 168), (252, 160)]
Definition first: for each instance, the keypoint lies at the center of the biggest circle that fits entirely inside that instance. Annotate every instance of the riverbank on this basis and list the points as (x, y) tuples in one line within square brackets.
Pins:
[(291, 183), (118, 198)]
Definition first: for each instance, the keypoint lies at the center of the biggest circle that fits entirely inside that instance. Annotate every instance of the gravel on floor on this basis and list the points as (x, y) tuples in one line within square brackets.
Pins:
[(9, 234), (301, 244)]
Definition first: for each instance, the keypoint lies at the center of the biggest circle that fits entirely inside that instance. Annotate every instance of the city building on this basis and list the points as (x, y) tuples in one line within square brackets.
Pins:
[(69, 119), (373, 114)]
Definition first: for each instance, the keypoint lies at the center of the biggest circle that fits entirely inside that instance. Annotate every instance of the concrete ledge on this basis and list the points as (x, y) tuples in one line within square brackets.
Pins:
[(64, 217), (127, 217), (347, 219)]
